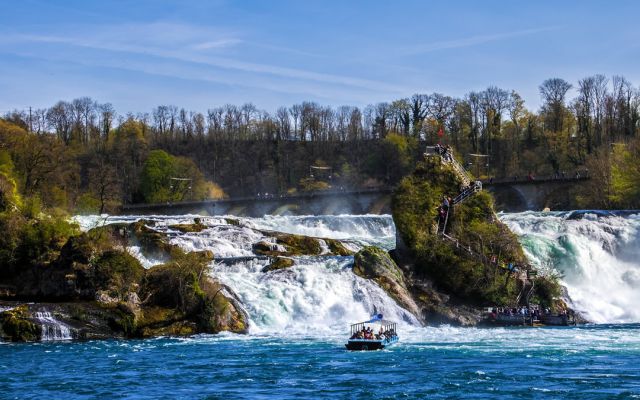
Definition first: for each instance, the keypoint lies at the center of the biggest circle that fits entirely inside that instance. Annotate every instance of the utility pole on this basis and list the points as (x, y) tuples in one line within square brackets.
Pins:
[(30, 124)]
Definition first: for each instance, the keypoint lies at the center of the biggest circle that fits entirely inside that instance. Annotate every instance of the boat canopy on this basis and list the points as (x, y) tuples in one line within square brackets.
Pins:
[(375, 319)]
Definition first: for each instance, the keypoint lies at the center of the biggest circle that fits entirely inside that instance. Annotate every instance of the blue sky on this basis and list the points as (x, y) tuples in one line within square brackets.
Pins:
[(203, 54)]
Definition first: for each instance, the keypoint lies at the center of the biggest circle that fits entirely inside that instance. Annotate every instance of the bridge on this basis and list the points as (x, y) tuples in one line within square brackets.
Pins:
[(517, 194), (326, 202), (534, 193)]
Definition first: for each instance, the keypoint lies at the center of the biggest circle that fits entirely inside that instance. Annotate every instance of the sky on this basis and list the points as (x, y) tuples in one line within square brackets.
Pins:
[(138, 54)]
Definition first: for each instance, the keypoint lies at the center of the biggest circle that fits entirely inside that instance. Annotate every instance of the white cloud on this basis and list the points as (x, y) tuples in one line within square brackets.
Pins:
[(470, 41), (184, 43)]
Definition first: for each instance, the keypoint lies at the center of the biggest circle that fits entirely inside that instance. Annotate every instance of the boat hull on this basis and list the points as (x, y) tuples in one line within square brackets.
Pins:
[(365, 345)]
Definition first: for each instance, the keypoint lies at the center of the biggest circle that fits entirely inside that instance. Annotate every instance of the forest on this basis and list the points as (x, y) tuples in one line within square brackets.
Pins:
[(82, 156)]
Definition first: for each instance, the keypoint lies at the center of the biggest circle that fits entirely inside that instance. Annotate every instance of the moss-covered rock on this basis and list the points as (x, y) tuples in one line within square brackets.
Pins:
[(337, 248), (233, 221), (468, 267), (221, 311), (375, 263), (289, 244), (16, 325), (152, 242), (279, 263), (196, 226), (184, 285), (298, 245)]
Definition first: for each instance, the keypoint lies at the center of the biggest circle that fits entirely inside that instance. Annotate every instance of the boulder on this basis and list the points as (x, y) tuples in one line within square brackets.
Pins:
[(279, 263), (197, 226), (376, 264), (16, 325), (289, 244)]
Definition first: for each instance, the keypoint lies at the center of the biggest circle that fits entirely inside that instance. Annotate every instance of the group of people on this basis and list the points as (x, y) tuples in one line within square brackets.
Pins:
[(511, 311), (511, 267), (533, 311), (445, 152), (444, 207), (368, 334)]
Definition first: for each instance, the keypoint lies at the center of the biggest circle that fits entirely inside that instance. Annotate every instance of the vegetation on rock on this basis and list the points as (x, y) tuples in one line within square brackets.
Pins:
[(16, 326), (474, 267), (279, 263)]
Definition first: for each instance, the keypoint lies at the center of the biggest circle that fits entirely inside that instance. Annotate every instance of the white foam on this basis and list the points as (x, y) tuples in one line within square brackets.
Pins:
[(598, 259)]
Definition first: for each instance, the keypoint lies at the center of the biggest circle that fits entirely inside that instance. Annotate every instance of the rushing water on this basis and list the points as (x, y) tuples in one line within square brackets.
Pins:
[(299, 321), (52, 329)]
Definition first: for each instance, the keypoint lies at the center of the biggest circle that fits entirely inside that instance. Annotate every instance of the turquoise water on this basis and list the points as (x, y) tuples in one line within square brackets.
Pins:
[(593, 362), (299, 322)]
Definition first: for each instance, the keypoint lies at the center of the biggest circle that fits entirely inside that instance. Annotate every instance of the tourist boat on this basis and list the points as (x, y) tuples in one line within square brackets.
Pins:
[(374, 334)]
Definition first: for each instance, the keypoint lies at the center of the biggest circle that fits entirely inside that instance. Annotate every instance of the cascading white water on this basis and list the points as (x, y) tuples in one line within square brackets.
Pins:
[(317, 294), (52, 329), (598, 259)]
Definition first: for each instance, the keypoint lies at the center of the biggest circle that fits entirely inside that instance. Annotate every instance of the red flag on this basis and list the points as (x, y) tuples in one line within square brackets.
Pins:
[(440, 132)]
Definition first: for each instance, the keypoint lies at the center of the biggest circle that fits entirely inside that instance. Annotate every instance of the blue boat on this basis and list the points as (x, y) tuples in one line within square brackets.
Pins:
[(374, 334)]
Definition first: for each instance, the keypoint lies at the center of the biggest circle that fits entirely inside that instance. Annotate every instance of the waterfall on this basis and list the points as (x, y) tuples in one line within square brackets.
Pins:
[(52, 329), (317, 294), (597, 256)]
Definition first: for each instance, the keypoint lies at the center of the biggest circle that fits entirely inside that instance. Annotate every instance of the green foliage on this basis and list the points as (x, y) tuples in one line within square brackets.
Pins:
[(313, 185), (625, 175), (157, 185), (9, 196), (16, 326), (118, 272), (547, 291), (88, 204), (415, 206), (42, 239), (178, 283)]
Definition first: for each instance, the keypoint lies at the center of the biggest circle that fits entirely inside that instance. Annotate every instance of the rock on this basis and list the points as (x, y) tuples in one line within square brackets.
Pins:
[(16, 325), (152, 242), (337, 248), (233, 221), (458, 266), (222, 311), (298, 245), (101, 291), (279, 263), (376, 264), (288, 244), (102, 296), (197, 226), (267, 248)]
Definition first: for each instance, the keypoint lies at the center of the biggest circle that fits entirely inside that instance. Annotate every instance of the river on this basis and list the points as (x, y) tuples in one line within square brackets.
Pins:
[(299, 322)]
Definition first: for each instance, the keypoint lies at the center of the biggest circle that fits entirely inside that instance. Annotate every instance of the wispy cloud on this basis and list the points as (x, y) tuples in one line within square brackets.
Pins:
[(471, 41), (175, 48), (216, 44)]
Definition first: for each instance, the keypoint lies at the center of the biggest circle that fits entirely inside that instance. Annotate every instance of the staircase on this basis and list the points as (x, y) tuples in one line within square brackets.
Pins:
[(459, 169), (469, 187)]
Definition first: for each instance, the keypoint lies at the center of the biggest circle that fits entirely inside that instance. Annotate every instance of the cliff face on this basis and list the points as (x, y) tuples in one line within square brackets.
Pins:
[(478, 262)]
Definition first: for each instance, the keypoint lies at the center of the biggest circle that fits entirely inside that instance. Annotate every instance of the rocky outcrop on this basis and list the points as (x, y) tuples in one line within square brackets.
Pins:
[(289, 244), (452, 277), (16, 325), (196, 226), (100, 290), (376, 264), (279, 263)]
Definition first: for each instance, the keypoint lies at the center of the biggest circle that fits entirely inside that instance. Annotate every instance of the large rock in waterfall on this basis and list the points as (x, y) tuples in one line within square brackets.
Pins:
[(376, 264), (452, 277)]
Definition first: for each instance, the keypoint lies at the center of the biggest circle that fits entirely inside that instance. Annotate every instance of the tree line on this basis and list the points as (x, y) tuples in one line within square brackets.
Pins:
[(83, 154)]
